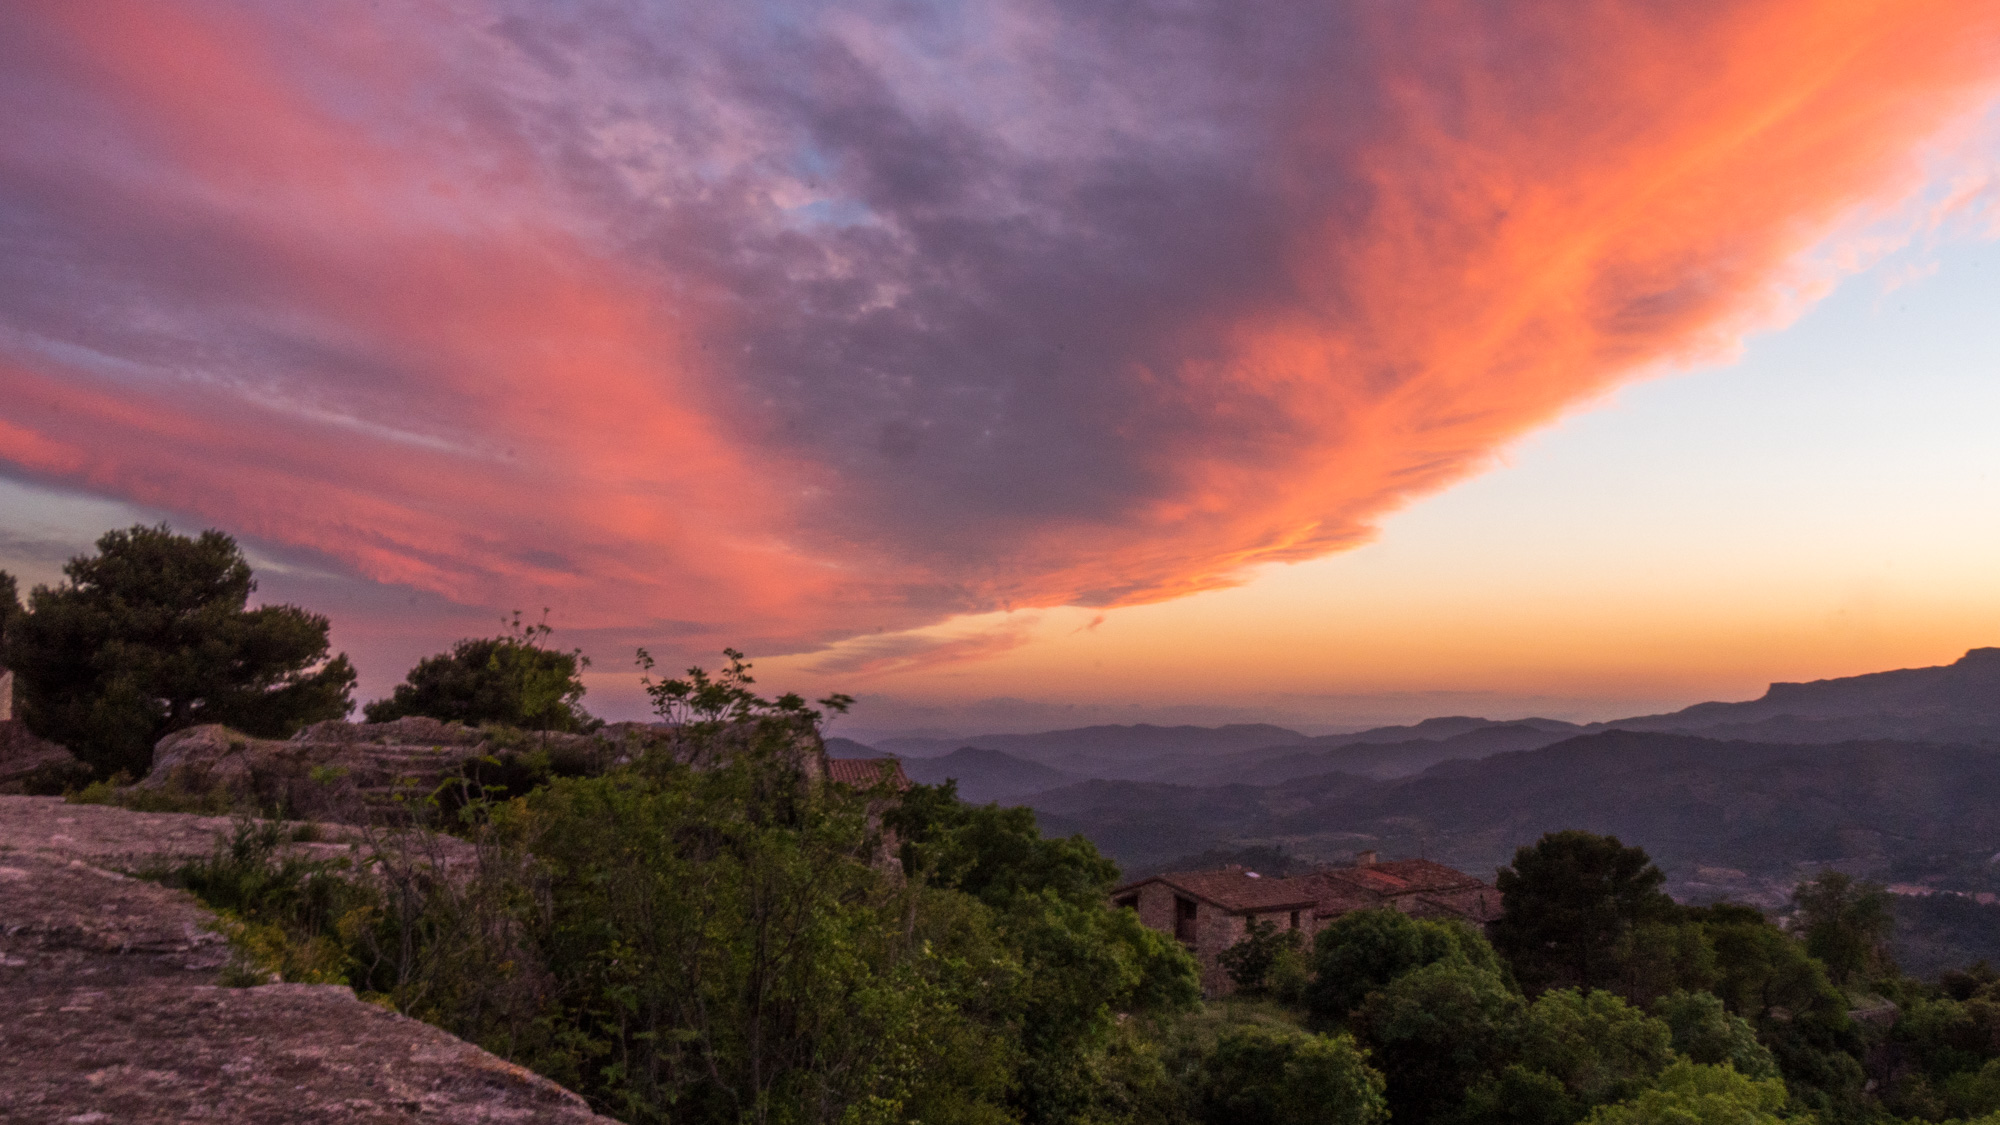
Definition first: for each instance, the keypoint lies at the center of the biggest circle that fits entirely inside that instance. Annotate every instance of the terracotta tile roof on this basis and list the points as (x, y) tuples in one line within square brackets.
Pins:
[(1416, 886), (1339, 898), (866, 773), (1239, 890), (1478, 905), (1405, 876)]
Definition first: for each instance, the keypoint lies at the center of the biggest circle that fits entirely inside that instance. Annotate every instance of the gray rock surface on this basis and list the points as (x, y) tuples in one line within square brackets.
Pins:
[(358, 771), (24, 757), (123, 840), (111, 1008)]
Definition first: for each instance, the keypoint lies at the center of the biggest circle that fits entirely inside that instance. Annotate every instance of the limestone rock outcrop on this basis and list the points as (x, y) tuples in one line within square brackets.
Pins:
[(359, 771), (369, 772), (114, 1010)]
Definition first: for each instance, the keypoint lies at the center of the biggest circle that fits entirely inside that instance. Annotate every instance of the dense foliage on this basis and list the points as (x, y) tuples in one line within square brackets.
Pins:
[(509, 680), (712, 933), (152, 635)]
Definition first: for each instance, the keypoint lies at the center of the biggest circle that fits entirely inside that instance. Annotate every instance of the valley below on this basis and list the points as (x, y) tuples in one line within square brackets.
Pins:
[(1892, 777)]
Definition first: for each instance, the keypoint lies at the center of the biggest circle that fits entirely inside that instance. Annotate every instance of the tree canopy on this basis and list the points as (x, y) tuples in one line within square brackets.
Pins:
[(154, 634), (1846, 924), (509, 680), (1569, 903)]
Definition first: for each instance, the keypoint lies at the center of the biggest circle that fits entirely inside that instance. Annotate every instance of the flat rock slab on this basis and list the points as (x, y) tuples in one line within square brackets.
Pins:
[(65, 925), (280, 1053), (111, 1011), (116, 838)]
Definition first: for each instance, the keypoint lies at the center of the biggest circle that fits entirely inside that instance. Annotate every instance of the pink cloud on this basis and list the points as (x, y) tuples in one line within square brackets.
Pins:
[(738, 326)]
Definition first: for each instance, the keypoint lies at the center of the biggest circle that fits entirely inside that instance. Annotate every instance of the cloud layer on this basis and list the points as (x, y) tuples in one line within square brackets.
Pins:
[(782, 323)]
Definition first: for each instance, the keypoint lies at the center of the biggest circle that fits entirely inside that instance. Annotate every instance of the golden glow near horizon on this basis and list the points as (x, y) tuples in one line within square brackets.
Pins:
[(1829, 505)]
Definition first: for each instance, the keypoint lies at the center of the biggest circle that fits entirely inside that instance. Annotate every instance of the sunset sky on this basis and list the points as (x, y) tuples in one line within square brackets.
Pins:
[(1036, 362)]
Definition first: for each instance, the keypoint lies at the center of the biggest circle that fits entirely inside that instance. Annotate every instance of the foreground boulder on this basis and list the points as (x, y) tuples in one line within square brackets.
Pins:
[(371, 772), (365, 771), (29, 764)]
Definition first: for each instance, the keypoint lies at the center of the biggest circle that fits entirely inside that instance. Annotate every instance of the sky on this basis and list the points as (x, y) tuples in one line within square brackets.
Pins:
[(1034, 363)]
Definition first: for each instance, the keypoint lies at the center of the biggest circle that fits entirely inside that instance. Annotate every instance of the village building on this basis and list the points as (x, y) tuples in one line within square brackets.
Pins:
[(866, 773), (1209, 911)]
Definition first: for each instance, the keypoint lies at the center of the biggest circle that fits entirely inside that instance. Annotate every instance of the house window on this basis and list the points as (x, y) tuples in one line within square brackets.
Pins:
[(1295, 919), (1130, 901), (1184, 917)]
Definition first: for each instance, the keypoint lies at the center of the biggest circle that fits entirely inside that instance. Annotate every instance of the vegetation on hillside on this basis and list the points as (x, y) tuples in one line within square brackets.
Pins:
[(707, 931), (726, 944)]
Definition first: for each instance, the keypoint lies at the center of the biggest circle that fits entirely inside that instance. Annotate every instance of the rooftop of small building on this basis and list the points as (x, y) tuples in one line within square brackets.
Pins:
[(866, 773), (1328, 891), (1237, 888)]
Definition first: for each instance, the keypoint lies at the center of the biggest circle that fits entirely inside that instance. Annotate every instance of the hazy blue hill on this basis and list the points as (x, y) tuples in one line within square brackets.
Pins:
[(848, 748), (1723, 818), (1378, 758), (1109, 751), (1143, 822), (1957, 699), (1435, 730), (985, 775)]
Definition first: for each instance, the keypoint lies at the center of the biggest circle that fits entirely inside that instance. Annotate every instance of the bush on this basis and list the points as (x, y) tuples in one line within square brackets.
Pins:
[(1267, 1076), (509, 681), (1689, 1093), (287, 917), (1264, 953), (1435, 1031), (1705, 1032), (1366, 950)]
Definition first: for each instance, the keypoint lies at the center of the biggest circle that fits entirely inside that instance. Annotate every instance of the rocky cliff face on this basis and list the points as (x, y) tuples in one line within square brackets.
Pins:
[(114, 1010)]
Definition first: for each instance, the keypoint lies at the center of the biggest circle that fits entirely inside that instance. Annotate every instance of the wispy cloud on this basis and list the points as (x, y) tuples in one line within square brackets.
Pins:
[(866, 657), (802, 321)]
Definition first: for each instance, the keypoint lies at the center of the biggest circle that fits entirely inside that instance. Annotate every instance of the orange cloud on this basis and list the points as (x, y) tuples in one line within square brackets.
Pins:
[(779, 334)]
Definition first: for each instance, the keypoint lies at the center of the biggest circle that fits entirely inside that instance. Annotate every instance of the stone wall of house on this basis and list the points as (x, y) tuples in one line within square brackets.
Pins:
[(1155, 906)]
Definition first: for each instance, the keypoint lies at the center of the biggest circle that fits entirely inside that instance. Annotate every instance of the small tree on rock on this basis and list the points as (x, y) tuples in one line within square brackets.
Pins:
[(509, 680)]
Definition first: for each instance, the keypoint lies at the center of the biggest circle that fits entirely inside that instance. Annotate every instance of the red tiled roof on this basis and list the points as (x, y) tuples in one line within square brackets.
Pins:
[(1238, 890), (1478, 905), (866, 773), (1417, 886), (1339, 898), (1405, 876)]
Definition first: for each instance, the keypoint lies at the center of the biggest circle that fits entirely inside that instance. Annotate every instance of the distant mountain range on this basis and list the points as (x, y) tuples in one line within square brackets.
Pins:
[(986, 775), (1893, 776), (1954, 703)]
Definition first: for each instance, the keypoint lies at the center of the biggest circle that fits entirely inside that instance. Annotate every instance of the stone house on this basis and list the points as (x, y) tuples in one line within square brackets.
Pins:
[(866, 773), (1209, 911)]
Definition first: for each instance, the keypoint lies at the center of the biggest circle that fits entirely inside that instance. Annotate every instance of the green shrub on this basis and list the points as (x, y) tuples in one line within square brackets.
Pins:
[(1270, 1076), (173, 797), (1366, 950)]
